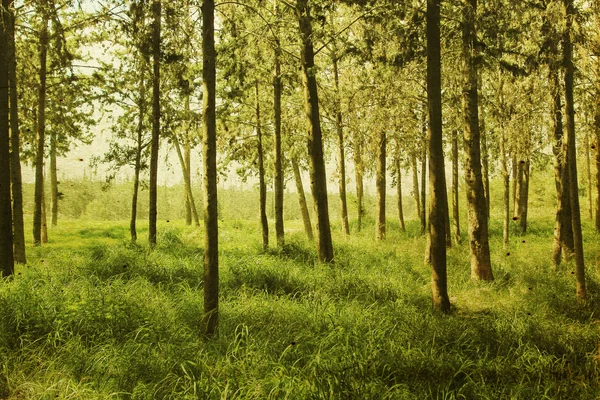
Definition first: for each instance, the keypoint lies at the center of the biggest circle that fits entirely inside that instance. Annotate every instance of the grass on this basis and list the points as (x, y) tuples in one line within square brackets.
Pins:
[(94, 317)]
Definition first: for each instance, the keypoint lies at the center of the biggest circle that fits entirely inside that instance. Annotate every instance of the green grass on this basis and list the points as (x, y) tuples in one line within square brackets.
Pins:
[(94, 317)]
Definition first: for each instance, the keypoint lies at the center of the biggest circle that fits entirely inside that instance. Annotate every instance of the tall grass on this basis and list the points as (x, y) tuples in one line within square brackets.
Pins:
[(93, 317)]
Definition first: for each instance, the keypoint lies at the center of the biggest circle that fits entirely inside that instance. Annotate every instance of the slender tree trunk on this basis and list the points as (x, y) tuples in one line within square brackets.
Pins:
[(187, 161), (399, 193), (187, 182), (53, 180), (341, 150), (481, 267), (315, 145), (138, 156), (588, 170), (515, 172), (156, 12), (597, 128), (455, 206), (424, 189), (359, 175), (522, 194), (15, 146), (381, 186), (44, 215), (438, 211), (261, 177), (7, 262), (484, 154), (277, 154), (506, 191), (302, 200), (413, 162), (211, 241), (572, 154), (41, 130)]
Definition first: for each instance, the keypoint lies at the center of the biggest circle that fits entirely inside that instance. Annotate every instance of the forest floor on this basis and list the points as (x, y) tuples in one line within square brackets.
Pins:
[(94, 317)]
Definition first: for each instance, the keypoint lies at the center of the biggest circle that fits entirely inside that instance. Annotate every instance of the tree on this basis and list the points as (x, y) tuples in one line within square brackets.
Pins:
[(211, 237), (156, 40), (6, 234)]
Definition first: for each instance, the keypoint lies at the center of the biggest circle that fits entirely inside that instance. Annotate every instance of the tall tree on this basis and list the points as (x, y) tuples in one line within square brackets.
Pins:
[(381, 184), (313, 125), (211, 237), (156, 39), (481, 267), (278, 174), (455, 205), (261, 176), (6, 234)]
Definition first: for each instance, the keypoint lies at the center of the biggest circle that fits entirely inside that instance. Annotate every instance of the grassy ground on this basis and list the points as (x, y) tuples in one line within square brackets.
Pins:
[(93, 317)]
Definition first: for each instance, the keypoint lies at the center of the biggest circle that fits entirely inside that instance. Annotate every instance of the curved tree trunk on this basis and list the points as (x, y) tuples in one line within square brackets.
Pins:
[(341, 150), (15, 148), (264, 224), (7, 263), (302, 200), (211, 237), (187, 182), (315, 141), (381, 186), (481, 267), (156, 13)]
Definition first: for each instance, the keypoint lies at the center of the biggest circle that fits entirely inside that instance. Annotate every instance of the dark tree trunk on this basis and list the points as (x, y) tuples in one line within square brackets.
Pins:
[(341, 150), (522, 194), (7, 263), (506, 191), (15, 145), (359, 175), (597, 128), (481, 267), (138, 157), (211, 241), (438, 211), (53, 180), (455, 206), (315, 145), (41, 130), (277, 154), (413, 163), (264, 224), (156, 26), (381, 186), (424, 188), (44, 215), (571, 153), (399, 194), (302, 200)]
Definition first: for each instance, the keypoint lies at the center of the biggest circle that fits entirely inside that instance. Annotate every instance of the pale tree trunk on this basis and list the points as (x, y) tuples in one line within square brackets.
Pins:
[(186, 160), (455, 205), (7, 263), (313, 125), (15, 150), (399, 193), (41, 130), (514, 171), (381, 186), (211, 238), (264, 224), (187, 182), (588, 170), (413, 163), (481, 267), (359, 176), (437, 181), (484, 153), (302, 200), (341, 150), (53, 180), (571, 153), (156, 26), (277, 153)]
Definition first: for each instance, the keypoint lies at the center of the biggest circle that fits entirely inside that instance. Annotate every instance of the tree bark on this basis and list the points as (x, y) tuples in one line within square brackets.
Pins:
[(53, 180), (44, 215), (506, 191), (277, 154), (437, 174), (381, 186), (588, 171), (455, 205), (302, 200), (413, 162), (481, 267), (399, 194), (571, 153), (211, 237), (315, 143), (597, 129), (264, 224), (15, 147), (424, 187), (522, 194), (187, 182), (484, 154), (7, 263), (156, 38), (138, 156), (40, 139), (359, 176), (187, 161), (341, 150)]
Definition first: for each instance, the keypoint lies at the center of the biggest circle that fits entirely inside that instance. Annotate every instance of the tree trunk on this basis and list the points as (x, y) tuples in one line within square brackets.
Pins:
[(424, 189), (156, 26), (359, 175), (571, 153), (437, 181), (302, 200), (381, 186), (41, 130), (44, 215), (277, 154), (484, 155), (522, 194), (187, 161), (315, 144), (399, 193), (341, 150), (7, 263), (481, 267), (597, 128), (211, 237), (53, 180), (264, 224), (588, 171), (455, 206), (413, 162), (187, 182), (138, 156), (506, 191), (15, 153)]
